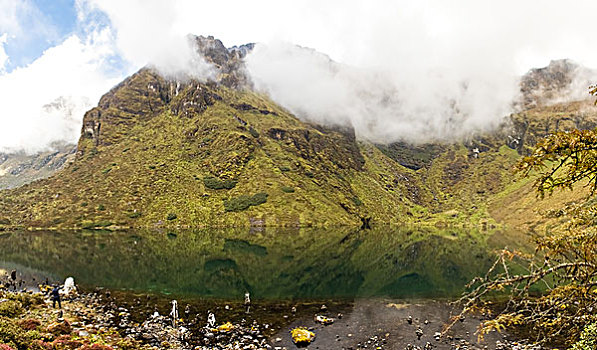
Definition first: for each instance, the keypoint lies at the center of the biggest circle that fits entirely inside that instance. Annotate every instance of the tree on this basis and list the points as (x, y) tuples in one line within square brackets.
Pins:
[(564, 265)]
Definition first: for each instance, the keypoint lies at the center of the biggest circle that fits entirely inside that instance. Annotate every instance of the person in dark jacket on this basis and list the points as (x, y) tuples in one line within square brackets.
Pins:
[(55, 294)]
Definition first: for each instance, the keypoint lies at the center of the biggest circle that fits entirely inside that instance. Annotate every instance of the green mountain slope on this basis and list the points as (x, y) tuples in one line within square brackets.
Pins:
[(155, 152), (164, 152)]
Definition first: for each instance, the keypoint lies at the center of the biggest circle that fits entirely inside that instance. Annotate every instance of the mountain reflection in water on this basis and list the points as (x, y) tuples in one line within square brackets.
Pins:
[(270, 263)]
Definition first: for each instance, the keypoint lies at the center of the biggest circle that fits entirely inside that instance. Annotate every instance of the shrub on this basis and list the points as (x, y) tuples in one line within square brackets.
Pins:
[(29, 324), (284, 168), (33, 335), (588, 338), (239, 203), (134, 215), (127, 344), (5, 347), (357, 201), (244, 201), (288, 189), (216, 184), (101, 207), (10, 308), (11, 334), (26, 300), (253, 132), (95, 346), (59, 328), (171, 216), (40, 345), (66, 343), (259, 198)]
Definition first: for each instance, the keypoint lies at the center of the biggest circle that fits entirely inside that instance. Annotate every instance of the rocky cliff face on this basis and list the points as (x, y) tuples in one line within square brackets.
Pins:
[(561, 81)]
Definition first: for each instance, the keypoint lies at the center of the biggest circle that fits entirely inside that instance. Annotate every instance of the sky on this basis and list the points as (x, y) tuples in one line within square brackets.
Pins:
[(413, 70)]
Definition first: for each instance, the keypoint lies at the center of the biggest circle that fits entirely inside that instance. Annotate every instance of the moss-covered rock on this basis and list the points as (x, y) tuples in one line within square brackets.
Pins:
[(25, 299)]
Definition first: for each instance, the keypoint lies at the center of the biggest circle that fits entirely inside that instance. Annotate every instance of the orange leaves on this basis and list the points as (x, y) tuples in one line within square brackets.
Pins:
[(563, 159)]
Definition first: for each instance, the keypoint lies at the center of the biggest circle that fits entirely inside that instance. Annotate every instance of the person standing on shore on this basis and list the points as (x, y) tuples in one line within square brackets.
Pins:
[(55, 294), (174, 313), (248, 302), (211, 320), (187, 313), (13, 279)]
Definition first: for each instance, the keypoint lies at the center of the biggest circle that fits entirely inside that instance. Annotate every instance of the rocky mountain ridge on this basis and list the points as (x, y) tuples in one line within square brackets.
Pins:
[(17, 169)]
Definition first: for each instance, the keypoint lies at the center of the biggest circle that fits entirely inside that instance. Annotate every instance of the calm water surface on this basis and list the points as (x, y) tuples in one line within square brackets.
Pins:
[(272, 264)]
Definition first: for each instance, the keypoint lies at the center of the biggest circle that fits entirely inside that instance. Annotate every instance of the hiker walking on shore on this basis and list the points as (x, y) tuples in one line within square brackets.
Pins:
[(55, 294)]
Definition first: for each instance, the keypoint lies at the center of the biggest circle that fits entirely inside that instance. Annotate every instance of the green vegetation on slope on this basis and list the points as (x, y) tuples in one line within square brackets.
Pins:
[(202, 152)]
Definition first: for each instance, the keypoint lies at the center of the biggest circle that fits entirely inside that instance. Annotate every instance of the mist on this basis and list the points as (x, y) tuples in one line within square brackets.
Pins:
[(394, 70), (381, 105), (148, 33), (44, 103), (427, 72), (419, 72)]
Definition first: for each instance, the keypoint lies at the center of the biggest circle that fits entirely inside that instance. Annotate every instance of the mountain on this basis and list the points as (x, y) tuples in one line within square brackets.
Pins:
[(561, 81), (180, 152), (17, 169)]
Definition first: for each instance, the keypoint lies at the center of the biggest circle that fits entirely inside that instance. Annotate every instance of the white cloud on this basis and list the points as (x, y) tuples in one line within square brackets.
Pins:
[(3, 55), (380, 105), (146, 33), (25, 23), (428, 70), (10, 11), (416, 70), (45, 101), (423, 70)]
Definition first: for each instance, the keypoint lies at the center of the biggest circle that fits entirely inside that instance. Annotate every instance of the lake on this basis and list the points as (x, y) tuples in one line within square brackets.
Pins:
[(271, 264)]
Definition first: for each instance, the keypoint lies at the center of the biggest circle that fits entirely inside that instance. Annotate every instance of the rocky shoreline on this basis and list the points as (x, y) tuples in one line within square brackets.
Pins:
[(100, 320)]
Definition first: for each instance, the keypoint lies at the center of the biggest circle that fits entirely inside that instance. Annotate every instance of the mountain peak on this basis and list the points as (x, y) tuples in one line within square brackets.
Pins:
[(556, 82), (227, 61)]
